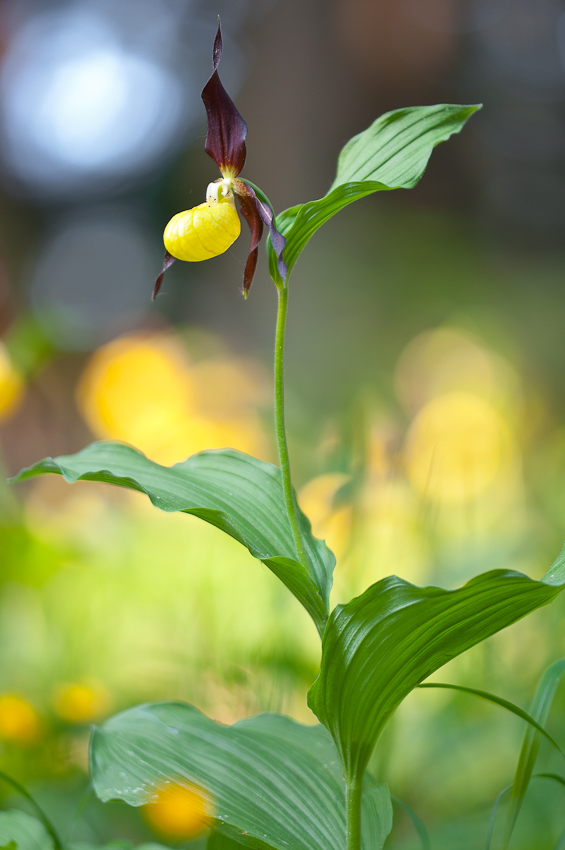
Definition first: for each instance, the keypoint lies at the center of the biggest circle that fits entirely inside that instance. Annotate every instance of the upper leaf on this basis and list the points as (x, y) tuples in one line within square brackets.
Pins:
[(273, 782), (235, 492), (390, 154), (382, 644), (26, 832)]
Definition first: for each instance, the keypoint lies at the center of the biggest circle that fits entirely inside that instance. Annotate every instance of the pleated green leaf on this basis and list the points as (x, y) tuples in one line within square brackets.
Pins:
[(235, 492), (382, 644), (26, 832), (390, 154), (273, 782)]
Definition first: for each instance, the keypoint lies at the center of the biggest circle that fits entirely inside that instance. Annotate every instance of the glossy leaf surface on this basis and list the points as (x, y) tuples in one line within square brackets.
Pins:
[(235, 492), (273, 782), (25, 831), (382, 644), (390, 154)]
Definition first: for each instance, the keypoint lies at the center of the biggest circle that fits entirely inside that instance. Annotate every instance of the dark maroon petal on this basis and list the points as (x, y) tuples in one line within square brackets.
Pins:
[(243, 190), (253, 219), (225, 140), (167, 263)]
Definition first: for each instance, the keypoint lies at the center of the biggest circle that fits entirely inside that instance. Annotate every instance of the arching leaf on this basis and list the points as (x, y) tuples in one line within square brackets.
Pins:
[(381, 645), (235, 492), (390, 154)]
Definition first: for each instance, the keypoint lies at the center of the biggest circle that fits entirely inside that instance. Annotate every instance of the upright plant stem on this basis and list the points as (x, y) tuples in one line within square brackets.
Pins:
[(290, 501), (353, 813)]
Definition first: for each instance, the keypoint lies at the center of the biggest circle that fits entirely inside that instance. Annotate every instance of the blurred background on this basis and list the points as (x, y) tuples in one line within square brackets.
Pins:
[(426, 388)]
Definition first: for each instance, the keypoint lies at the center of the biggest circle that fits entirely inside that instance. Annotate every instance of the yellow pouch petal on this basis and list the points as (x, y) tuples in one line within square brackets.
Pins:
[(203, 232)]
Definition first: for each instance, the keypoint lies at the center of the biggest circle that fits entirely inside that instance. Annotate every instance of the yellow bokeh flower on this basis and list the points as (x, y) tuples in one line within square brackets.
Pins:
[(19, 721), (456, 447), (329, 522), (84, 702), (144, 390), (11, 385), (179, 811)]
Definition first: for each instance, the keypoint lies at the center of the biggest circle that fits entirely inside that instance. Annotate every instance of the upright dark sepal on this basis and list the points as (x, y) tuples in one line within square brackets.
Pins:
[(257, 211), (225, 140), (167, 263)]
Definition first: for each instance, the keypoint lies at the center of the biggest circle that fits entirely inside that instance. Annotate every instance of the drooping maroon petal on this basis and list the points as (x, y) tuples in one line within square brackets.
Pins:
[(167, 263), (253, 219), (225, 140), (243, 190)]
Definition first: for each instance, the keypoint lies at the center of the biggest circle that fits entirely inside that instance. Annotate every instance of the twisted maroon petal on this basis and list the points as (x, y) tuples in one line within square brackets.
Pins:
[(225, 140), (167, 263), (266, 215), (257, 213), (253, 219)]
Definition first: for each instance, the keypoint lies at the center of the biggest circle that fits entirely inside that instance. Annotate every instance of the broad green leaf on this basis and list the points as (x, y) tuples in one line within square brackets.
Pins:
[(217, 841), (382, 644), (26, 832), (274, 782), (530, 745), (503, 703), (11, 846), (235, 492), (390, 154)]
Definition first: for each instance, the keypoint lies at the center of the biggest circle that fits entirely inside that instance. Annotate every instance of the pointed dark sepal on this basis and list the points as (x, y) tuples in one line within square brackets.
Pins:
[(227, 131), (259, 208), (167, 263)]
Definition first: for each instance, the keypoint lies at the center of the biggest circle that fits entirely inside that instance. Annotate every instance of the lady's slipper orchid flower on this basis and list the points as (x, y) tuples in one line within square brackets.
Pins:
[(210, 228)]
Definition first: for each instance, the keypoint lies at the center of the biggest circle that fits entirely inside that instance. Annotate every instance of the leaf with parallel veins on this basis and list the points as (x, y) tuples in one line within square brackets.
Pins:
[(272, 782), (378, 647), (235, 492), (390, 154)]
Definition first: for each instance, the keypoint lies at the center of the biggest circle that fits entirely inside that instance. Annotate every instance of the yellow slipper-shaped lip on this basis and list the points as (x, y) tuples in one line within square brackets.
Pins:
[(203, 232)]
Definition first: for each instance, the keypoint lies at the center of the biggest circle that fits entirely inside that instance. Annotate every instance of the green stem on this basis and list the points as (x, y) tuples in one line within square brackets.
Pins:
[(353, 813), (289, 498)]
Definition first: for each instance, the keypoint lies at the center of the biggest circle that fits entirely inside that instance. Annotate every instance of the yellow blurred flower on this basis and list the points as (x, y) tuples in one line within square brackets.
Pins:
[(179, 811), (329, 523), (456, 447), (144, 390), (11, 384), (81, 702), (447, 360), (19, 721)]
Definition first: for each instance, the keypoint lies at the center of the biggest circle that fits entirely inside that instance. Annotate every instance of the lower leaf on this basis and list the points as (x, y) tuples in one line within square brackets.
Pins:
[(381, 645), (271, 782)]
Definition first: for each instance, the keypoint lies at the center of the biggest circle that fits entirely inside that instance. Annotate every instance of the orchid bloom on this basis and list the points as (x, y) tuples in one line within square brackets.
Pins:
[(210, 228)]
